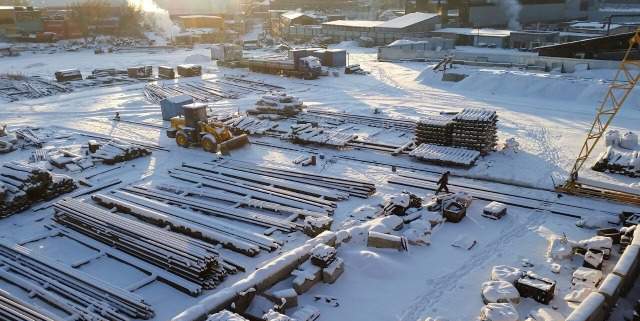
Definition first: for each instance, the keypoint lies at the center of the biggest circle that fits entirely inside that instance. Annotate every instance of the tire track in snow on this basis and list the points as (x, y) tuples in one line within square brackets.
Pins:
[(438, 287)]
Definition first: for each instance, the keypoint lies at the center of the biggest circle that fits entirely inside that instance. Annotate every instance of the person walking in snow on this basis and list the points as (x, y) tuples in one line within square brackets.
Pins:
[(442, 183)]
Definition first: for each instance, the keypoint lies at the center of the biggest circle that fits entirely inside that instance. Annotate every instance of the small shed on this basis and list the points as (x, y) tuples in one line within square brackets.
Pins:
[(172, 106)]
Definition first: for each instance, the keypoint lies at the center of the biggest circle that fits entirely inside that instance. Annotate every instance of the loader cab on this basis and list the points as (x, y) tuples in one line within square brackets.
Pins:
[(311, 67)]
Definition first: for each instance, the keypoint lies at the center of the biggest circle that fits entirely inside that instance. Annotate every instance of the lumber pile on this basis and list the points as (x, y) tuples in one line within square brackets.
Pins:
[(12, 308), (443, 155), (68, 75), (116, 151), (475, 129), (435, 130), (140, 72), (278, 104), (70, 290), (190, 259), (22, 185), (189, 70)]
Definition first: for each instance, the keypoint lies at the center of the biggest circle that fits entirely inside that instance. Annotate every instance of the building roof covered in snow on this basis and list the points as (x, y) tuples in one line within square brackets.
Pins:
[(354, 23), (408, 20), (485, 32)]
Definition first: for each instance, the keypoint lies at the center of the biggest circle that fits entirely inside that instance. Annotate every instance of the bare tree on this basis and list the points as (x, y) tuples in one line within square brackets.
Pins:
[(88, 14)]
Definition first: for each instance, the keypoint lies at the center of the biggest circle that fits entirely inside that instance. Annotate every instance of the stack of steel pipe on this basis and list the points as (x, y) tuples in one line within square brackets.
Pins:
[(435, 130), (372, 121), (21, 185), (190, 259), (118, 151), (328, 187), (70, 290), (14, 309), (475, 129), (183, 221)]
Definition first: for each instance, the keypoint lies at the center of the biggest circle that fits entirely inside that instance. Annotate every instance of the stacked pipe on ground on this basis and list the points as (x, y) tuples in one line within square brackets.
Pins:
[(443, 155), (475, 129), (116, 151), (188, 258), (435, 130), (22, 185), (70, 290), (12, 308)]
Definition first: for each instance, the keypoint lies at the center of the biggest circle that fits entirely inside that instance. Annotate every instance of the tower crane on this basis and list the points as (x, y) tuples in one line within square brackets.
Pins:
[(627, 77)]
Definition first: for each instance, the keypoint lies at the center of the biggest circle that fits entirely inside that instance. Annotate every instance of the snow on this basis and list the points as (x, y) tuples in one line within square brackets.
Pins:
[(407, 20), (354, 23), (546, 113)]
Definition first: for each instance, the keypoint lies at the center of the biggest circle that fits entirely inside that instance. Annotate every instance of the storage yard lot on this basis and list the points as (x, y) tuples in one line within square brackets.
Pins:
[(547, 114)]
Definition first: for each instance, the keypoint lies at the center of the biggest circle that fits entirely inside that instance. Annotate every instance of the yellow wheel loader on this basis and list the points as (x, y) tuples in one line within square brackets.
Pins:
[(195, 128)]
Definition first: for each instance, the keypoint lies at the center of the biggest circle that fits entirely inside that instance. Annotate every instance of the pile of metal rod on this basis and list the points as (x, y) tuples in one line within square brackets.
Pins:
[(337, 118), (68, 289), (328, 187), (12, 308), (190, 259), (137, 202), (201, 91), (22, 185), (211, 208), (253, 84), (29, 136), (116, 151)]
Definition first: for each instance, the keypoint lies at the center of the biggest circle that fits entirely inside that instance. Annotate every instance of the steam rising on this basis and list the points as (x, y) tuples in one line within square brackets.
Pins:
[(157, 17), (512, 10)]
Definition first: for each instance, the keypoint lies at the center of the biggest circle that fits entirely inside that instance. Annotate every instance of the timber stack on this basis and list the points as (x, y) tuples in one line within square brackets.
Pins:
[(476, 129), (22, 185), (190, 259), (68, 289), (277, 103)]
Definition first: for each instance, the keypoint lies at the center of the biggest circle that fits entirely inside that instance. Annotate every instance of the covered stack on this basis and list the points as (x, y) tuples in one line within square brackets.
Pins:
[(278, 103), (475, 129), (435, 130), (21, 185), (116, 151)]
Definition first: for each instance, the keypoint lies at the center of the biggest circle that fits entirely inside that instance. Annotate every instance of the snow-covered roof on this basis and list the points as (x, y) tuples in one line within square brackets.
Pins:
[(354, 23), (594, 26), (476, 32), (293, 15), (407, 20)]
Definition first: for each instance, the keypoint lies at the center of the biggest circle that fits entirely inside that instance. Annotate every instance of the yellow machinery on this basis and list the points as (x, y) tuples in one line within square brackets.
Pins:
[(195, 128), (626, 79)]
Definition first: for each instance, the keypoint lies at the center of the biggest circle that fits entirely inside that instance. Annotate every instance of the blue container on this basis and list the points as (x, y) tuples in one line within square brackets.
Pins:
[(172, 106)]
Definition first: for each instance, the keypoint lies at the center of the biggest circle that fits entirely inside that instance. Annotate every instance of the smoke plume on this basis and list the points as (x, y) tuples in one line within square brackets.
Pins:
[(157, 17), (512, 10)]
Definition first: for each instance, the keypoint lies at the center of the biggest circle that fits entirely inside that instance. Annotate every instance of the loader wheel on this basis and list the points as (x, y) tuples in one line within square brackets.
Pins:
[(209, 143), (182, 139)]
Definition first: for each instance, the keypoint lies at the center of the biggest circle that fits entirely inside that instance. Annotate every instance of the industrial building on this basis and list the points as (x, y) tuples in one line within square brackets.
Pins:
[(383, 32), (601, 48), (484, 37), (20, 21)]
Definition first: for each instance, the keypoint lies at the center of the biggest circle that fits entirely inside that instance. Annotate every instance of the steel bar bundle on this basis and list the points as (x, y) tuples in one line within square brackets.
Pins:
[(299, 181), (372, 121), (14, 309), (253, 83), (186, 222), (211, 208), (68, 289), (21, 185), (28, 135), (190, 259)]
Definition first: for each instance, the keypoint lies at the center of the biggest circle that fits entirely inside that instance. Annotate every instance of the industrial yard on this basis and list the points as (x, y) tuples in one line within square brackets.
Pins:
[(220, 182)]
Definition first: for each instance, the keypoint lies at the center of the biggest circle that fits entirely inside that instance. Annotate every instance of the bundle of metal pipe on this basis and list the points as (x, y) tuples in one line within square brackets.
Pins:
[(14, 309), (70, 290), (305, 183), (118, 151), (190, 259), (372, 121), (184, 221), (21, 185)]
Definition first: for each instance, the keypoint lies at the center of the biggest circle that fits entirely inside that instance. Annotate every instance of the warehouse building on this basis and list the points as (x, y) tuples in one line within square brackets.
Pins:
[(20, 21), (412, 25), (492, 38), (602, 48)]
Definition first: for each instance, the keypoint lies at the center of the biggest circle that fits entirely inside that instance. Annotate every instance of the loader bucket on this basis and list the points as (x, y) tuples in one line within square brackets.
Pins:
[(233, 143)]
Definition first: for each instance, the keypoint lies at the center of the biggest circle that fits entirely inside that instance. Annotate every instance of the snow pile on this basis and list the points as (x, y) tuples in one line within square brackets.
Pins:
[(506, 273), (499, 312), (500, 292), (225, 315), (275, 316), (545, 314)]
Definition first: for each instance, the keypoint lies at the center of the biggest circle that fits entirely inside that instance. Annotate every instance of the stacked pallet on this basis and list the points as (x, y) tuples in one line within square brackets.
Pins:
[(22, 185), (189, 70), (619, 160), (475, 129), (12, 308), (443, 155), (190, 259), (435, 130), (116, 151), (69, 290)]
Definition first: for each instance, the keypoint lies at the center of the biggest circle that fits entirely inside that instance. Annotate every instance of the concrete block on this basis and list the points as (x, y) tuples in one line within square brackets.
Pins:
[(332, 272), (610, 288), (591, 309), (387, 241), (627, 267), (306, 277)]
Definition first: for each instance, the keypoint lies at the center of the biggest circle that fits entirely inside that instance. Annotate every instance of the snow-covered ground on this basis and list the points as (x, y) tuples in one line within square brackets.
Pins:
[(548, 114)]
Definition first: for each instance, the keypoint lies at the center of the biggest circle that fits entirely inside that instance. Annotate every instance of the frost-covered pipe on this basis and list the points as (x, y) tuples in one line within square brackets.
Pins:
[(261, 280)]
